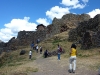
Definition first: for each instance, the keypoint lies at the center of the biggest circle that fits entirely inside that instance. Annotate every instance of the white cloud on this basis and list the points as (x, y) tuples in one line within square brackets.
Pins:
[(21, 24), (79, 6), (11, 29), (70, 2), (57, 12), (6, 30), (74, 3), (42, 21), (94, 12), (5, 37), (85, 1)]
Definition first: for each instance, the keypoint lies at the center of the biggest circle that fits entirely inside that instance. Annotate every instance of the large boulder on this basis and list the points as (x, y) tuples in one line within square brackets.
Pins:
[(22, 52)]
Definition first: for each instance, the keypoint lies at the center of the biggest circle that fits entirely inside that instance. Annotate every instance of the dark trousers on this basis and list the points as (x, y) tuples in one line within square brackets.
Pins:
[(37, 50), (40, 51), (30, 56)]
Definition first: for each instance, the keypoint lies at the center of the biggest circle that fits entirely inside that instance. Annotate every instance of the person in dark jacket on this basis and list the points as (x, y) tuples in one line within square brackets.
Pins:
[(46, 54)]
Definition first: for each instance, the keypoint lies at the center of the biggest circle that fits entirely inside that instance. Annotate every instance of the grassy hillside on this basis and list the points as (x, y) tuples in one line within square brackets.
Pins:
[(13, 62)]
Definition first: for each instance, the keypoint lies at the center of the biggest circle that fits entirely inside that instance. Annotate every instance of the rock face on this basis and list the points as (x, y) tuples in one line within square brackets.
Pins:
[(88, 32), (40, 27), (68, 21)]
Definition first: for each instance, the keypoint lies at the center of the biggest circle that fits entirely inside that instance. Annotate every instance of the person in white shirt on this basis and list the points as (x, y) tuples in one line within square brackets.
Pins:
[(30, 54), (37, 48), (40, 50)]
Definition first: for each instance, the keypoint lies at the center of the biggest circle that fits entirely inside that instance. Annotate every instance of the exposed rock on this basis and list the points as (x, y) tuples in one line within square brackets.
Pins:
[(68, 21), (22, 52), (1, 50), (87, 42), (92, 27), (72, 35), (41, 27)]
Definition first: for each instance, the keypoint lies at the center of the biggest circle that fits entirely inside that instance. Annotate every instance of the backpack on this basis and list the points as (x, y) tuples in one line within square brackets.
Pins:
[(60, 49)]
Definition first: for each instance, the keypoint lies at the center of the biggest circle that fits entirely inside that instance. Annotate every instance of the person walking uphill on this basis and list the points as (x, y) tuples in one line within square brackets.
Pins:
[(37, 47), (59, 51), (72, 60), (46, 54), (30, 54), (32, 45), (40, 50)]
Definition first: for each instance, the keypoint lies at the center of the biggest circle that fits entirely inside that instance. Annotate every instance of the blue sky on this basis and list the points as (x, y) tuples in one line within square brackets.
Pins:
[(18, 15)]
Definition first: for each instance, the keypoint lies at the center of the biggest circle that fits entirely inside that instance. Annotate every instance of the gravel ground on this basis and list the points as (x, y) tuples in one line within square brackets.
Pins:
[(52, 66)]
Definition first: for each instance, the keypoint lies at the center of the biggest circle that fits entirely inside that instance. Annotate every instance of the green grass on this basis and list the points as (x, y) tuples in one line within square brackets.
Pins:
[(3, 74), (29, 69), (56, 41), (33, 58), (81, 55), (14, 64), (12, 58)]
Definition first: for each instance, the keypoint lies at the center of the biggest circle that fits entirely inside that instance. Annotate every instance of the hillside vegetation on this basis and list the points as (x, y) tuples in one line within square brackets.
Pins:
[(12, 63)]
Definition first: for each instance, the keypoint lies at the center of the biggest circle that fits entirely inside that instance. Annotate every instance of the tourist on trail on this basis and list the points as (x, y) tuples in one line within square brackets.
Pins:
[(72, 60), (37, 48), (46, 54), (59, 52), (30, 54), (38, 40), (32, 45), (40, 50)]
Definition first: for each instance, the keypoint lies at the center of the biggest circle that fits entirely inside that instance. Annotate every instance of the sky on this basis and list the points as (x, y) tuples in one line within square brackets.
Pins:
[(19, 15)]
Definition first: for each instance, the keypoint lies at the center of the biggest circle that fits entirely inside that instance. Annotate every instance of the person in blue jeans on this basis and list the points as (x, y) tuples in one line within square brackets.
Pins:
[(58, 51)]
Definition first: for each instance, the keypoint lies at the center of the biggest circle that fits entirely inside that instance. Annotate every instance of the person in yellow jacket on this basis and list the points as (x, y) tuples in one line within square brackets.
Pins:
[(72, 60)]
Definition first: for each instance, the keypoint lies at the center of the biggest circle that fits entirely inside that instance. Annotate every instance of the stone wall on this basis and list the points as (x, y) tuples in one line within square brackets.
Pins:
[(31, 36)]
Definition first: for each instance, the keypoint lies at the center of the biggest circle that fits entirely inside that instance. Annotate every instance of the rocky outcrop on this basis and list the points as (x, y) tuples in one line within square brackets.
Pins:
[(68, 21), (92, 27)]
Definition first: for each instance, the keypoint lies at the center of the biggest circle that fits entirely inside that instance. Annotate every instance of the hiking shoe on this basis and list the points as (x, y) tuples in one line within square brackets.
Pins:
[(70, 71), (73, 71)]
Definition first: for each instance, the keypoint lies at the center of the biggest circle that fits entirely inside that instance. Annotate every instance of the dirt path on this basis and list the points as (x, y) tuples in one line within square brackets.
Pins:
[(52, 66)]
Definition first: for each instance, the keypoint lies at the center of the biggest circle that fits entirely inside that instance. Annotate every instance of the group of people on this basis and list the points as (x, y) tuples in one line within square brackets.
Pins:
[(35, 48), (72, 59)]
